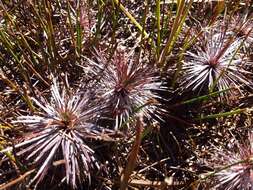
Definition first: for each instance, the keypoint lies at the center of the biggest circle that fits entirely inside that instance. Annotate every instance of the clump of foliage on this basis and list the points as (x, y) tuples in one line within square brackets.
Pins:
[(119, 94)]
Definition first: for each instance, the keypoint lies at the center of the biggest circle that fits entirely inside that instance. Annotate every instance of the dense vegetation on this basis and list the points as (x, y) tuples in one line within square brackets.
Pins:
[(122, 94)]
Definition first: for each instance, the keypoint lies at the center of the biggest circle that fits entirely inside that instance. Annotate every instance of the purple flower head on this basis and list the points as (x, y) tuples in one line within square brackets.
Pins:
[(60, 131), (128, 86), (234, 168), (215, 64)]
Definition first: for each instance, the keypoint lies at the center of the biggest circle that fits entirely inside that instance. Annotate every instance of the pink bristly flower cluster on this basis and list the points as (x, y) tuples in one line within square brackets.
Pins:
[(128, 86), (234, 168), (61, 131), (216, 63)]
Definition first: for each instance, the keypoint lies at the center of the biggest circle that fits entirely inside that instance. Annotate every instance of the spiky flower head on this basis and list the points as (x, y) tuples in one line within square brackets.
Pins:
[(233, 168), (127, 85), (60, 131), (215, 63)]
